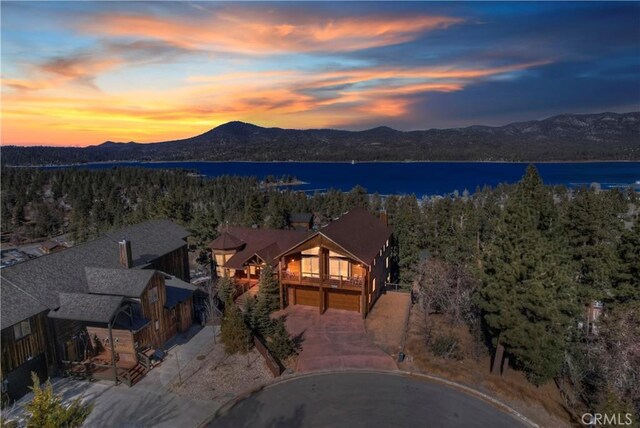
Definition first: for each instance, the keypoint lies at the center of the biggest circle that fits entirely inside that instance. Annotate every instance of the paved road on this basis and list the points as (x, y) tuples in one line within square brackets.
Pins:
[(367, 400)]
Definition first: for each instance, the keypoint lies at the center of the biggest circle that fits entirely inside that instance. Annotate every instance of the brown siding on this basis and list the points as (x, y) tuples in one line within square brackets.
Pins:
[(17, 352), (379, 271), (186, 318), (154, 311), (174, 263)]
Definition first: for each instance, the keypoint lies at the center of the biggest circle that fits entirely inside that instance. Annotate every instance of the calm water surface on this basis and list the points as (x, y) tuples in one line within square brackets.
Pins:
[(420, 178)]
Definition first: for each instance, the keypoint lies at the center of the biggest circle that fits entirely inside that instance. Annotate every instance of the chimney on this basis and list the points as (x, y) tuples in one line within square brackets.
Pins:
[(384, 218), (125, 253)]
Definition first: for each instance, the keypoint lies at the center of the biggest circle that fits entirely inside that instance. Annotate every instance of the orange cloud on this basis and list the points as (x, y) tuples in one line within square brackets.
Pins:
[(270, 33), (279, 98)]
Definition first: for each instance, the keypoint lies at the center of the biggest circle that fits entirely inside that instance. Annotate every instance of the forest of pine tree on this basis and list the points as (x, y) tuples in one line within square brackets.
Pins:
[(527, 258)]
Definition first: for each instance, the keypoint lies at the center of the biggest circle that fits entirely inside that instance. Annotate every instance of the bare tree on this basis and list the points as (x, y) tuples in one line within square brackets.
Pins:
[(211, 305), (445, 289)]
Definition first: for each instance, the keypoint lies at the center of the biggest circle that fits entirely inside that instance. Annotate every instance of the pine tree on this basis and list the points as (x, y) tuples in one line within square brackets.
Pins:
[(269, 290), (46, 409), (592, 230), (234, 333), (627, 280), (527, 297), (279, 341), (226, 289), (408, 235)]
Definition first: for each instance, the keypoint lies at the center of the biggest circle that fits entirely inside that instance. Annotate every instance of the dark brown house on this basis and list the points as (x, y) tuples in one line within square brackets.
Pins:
[(344, 265), (100, 305)]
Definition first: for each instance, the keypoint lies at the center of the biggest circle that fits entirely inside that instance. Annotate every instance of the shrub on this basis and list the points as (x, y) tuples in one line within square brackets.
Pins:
[(279, 342), (445, 346)]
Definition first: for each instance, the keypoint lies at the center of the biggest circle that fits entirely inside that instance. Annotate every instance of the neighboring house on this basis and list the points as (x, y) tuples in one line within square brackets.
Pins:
[(344, 265), (240, 252), (98, 307), (301, 221)]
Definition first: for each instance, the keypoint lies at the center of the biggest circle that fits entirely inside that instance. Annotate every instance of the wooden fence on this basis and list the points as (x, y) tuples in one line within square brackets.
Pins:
[(272, 363)]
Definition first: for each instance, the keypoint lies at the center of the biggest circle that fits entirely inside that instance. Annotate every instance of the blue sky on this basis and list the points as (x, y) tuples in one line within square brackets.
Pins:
[(79, 73)]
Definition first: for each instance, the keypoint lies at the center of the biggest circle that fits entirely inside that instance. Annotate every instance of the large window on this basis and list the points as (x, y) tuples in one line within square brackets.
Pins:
[(311, 267), (338, 268), (22, 329)]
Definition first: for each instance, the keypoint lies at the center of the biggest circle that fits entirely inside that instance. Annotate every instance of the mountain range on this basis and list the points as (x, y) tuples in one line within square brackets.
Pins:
[(567, 137)]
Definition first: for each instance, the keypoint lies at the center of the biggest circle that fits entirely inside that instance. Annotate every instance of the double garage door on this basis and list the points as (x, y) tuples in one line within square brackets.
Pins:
[(334, 299)]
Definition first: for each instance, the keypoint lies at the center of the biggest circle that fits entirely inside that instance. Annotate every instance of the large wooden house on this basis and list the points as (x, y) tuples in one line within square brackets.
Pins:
[(343, 265), (100, 308)]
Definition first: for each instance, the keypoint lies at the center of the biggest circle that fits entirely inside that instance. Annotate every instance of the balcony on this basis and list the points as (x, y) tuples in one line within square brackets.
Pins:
[(333, 281)]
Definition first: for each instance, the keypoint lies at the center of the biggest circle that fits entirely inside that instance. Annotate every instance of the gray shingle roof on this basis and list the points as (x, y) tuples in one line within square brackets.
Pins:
[(117, 282), (14, 301), (86, 307), (177, 291), (300, 217), (42, 279)]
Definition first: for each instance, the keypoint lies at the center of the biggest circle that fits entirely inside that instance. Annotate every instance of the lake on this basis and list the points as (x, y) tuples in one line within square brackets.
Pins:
[(420, 178)]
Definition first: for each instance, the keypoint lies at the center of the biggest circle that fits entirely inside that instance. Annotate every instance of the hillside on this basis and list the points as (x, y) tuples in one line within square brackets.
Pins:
[(604, 136)]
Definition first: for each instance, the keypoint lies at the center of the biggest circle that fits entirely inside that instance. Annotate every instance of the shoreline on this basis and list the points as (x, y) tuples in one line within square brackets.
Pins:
[(348, 162)]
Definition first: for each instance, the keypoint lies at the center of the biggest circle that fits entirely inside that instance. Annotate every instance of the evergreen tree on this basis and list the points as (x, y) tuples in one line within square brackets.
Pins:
[(226, 289), (408, 235), (279, 341), (234, 333), (269, 290), (627, 280), (592, 229), (527, 296), (46, 409)]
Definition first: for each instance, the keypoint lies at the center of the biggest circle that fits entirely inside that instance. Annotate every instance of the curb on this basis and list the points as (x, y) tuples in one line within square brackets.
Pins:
[(226, 407)]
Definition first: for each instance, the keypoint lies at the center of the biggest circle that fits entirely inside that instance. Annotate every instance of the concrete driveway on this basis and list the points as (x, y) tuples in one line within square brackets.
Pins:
[(367, 400), (335, 340)]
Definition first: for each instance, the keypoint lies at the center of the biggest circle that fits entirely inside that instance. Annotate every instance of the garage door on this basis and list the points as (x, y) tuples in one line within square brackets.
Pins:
[(339, 299), (307, 296)]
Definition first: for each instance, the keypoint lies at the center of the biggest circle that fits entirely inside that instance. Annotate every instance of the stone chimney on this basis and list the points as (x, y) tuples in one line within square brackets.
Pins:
[(384, 217), (126, 259)]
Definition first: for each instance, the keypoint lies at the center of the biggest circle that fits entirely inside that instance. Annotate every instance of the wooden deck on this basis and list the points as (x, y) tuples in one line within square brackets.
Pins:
[(346, 283)]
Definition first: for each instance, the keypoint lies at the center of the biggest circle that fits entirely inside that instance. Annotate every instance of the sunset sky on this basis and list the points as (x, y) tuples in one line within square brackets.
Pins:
[(80, 73)]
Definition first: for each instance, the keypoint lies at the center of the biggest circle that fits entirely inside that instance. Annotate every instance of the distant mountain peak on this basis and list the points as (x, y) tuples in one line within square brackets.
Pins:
[(236, 125)]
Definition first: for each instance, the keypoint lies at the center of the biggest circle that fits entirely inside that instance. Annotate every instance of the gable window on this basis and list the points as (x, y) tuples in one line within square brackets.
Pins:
[(22, 329)]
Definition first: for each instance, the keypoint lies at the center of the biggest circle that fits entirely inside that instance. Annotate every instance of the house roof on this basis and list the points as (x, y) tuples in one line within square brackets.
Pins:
[(117, 282), (86, 307), (265, 243), (44, 278), (359, 232), (226, 241), (300, 217), (178, 291), (14, 304)]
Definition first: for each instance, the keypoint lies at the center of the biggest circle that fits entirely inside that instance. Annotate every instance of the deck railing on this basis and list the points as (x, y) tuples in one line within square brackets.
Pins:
[(330, 280)]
